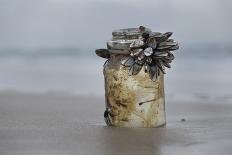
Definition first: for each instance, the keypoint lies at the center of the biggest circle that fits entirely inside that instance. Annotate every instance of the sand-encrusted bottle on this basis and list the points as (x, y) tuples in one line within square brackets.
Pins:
[(134, 77)]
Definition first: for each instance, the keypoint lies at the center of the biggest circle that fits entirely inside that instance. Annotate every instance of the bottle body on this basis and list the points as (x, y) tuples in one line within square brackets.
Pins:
[(133, 101)]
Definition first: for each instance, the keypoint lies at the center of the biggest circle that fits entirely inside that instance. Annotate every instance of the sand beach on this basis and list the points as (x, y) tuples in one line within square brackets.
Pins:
[(63, 124)]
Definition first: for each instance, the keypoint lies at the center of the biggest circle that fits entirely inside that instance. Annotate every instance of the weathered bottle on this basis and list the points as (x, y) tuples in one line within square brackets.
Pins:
[(134, 77)]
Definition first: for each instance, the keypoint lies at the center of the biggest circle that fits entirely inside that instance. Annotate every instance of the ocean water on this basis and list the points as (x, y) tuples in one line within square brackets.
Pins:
[(198, 72)]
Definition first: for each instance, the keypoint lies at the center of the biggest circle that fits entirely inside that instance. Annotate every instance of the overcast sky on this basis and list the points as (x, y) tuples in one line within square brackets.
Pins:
[(81, 23)]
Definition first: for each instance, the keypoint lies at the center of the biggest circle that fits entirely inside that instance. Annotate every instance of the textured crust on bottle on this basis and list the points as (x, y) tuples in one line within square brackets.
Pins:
[(135, 101)]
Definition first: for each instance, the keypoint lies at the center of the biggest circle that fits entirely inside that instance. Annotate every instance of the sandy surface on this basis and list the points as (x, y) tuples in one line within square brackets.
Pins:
[(54, 124)]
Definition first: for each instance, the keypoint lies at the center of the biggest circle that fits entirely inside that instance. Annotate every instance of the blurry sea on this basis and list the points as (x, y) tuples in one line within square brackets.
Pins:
[(198, 72)]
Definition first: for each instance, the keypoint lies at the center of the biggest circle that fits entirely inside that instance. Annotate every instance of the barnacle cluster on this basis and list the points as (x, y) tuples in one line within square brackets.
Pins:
[(152, 52)]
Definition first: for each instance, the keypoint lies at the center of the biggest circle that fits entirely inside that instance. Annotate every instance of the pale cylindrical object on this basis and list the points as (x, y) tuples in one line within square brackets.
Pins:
[(133, 101), (134, 77)]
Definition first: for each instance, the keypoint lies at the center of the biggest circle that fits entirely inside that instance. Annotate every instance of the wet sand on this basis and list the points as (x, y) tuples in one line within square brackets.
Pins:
[(55, 124)]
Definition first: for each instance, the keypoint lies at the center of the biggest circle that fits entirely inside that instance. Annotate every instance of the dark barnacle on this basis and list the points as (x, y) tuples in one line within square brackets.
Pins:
[(152, 53), (104, 53), (106, 116)]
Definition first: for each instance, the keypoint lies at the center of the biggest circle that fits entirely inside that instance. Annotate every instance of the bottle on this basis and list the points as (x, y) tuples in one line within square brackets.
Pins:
[(134, 77)]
